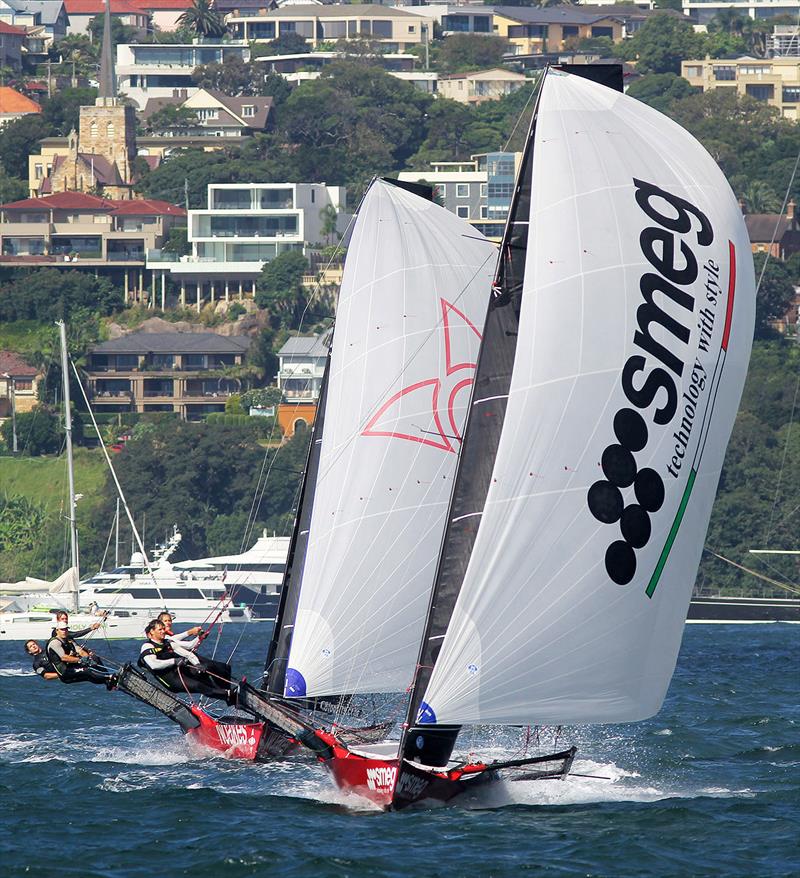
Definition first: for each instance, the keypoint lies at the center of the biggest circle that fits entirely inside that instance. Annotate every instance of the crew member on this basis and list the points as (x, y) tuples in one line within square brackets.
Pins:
[(63, 616), (41, 663), (186, 648), (183, 673), (73, 663)]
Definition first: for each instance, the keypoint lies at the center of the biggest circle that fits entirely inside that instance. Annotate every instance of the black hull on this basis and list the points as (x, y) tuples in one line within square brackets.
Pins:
[(738, 609)]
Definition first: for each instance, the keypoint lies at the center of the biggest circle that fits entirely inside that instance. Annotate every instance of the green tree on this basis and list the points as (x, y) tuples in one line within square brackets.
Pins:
[(178, 241), (471, 52), (170, 118), (18, 139), (203, 20), (660, 90), (120, 33), (279, 289), (48, 294), (328, 217), (11, 188), (61, 112), (233, 405), (287, 44), (38, 432), (775, 293), (759, 197), (660, 45)]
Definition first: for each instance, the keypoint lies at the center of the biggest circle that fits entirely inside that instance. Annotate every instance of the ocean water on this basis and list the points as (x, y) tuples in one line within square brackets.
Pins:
[(92, 783)]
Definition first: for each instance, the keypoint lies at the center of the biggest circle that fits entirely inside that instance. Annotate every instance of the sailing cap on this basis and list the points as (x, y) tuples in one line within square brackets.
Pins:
[(62, 625)]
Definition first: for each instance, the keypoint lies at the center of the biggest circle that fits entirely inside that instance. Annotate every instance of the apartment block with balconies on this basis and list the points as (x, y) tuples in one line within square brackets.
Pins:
[(245, 226), (395, 29), (776, 81), (179, 372)]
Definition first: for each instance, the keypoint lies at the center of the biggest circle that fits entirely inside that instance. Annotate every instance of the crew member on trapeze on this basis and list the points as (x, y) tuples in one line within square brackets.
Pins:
[(74, 663), (41, 663), (188, 648), (184, 673)]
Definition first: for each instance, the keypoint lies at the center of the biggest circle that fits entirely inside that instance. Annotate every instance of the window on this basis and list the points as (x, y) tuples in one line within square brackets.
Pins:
[(791, 94), (412, 29), (248, 111), (439, 190), (93, 129), (208, 113), (462, 190), (484, 212), (23, 384), (463, 212), (761, 92), (694, 72), (173, 594), (38, 171), (484, 190), (110, 130), (754, 70), (500, 190), (603, 32), (725, 73), (569, 30), (381, 28)]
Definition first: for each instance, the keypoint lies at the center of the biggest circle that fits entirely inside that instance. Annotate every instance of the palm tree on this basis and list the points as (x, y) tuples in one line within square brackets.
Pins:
[(759, 197), (729, 21), (203, 19)]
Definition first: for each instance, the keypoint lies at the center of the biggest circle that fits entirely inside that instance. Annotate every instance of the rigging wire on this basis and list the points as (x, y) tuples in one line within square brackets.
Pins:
[(755, 573)]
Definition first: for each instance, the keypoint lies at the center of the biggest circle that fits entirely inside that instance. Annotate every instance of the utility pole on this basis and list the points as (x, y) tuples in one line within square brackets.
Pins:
[(186, 193)]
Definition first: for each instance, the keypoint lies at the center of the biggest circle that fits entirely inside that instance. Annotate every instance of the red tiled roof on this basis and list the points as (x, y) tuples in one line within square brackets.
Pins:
[(97, 7), (148, 5), (83, 201), (15, 366), (10, 29), (147, 207), (11, 101), (62, 201)]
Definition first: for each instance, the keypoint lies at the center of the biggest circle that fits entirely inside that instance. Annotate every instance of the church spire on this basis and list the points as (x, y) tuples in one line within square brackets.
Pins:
[(108, 81)]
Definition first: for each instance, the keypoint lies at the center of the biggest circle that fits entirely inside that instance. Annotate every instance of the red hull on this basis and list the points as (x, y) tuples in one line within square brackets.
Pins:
[(383, 782), (252, 741)]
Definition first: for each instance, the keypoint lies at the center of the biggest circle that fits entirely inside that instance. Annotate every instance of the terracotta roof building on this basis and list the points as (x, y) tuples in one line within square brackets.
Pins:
[(14, 105), (18, 384), (11, 40), (81, 13)]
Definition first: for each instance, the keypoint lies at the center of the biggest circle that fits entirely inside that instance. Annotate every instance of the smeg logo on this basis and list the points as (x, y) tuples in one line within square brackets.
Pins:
[(607, 504)]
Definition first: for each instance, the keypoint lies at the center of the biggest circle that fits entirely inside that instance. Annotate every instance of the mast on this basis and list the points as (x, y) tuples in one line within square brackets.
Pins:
[(73, 527), (428, 743), (278, 652)]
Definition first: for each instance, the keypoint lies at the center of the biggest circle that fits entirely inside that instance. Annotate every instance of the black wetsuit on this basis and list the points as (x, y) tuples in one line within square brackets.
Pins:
[(69, 672), (208, 678), (42, 665)]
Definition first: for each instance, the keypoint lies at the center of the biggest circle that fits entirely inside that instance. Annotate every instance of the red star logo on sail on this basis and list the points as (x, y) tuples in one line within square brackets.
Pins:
[(399, 416)]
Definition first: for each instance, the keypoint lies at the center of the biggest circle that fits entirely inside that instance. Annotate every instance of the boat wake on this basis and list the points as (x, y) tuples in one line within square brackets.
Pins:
[(15, 672)]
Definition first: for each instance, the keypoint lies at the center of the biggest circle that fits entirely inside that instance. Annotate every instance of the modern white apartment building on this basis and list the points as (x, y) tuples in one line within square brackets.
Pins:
[(164, 70), (702, 11), (244, 226)]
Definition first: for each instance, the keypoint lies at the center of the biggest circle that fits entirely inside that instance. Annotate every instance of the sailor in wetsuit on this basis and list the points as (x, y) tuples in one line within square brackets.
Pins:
[(184, 672), (41, 663), (73, 663)]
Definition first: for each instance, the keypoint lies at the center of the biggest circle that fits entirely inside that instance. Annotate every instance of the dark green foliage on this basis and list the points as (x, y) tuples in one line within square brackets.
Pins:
[(233, 77), (120, 33), (659, 90), (203, 20), (18, 139), (261, 355), (279, 289), (775, 293), (11, 188), (21, 523), (48, 294), (661, 44), (287, 44), (759, 495), (61, 112), (38, 432), (178, 241), (170, 119), (191, 474), (471, 52)]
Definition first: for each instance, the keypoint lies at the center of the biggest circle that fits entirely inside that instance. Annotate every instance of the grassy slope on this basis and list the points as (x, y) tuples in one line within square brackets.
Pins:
[(44, 480)]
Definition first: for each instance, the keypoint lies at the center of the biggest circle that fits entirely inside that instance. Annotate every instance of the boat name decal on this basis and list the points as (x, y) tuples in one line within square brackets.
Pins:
[(651, 376), (236, 736), (410, 787), (381, 778)]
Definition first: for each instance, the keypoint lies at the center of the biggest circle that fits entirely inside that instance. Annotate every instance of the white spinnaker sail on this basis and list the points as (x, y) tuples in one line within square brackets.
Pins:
[(551, 624), (413, 299)]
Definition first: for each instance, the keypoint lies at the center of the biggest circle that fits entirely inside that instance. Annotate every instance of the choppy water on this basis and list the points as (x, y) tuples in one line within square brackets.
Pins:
[(93, 784)]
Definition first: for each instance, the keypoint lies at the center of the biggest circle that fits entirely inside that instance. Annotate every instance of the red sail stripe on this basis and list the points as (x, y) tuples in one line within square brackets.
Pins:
[(731, 291)]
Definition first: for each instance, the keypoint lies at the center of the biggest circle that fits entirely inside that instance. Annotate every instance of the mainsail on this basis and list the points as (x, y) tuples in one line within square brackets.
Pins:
[(635, 323), (412, 302)]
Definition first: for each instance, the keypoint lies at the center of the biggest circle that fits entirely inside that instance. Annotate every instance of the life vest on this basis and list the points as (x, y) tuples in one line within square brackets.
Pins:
[(162, 651), (42, 665), (68, 646)]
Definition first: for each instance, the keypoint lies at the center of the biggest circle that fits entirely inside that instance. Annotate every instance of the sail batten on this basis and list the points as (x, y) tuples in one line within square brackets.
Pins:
[(635, 322)]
